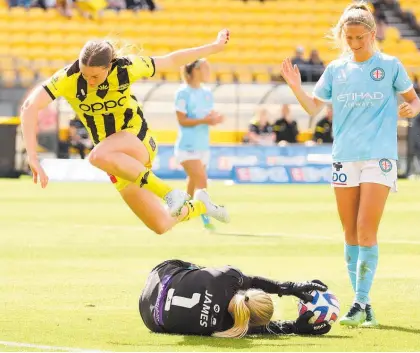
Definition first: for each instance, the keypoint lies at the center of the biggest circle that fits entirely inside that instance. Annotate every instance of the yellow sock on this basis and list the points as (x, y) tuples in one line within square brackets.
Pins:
[(151, 182), (195, 208)]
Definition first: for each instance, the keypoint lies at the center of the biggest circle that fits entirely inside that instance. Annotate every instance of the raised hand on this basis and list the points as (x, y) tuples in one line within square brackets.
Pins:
[(291, 73), (222, 39)]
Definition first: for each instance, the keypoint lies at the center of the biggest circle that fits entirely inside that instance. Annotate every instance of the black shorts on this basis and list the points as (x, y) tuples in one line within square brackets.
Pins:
[(155, 289)]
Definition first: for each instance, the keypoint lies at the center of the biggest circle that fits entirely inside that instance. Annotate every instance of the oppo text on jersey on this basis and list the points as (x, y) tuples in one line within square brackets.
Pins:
[(98, 106)]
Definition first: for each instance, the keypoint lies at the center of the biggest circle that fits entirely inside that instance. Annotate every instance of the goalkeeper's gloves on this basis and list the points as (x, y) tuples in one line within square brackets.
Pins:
[(301, 289), (299, 327), (303, 327)]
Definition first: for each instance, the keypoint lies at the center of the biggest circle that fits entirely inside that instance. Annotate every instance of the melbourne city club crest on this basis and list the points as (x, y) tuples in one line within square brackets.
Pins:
[(385, 165), (377, 74)]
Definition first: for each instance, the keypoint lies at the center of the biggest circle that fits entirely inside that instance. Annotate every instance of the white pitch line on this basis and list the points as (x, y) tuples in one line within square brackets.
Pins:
[(45, 347), (337, 238)]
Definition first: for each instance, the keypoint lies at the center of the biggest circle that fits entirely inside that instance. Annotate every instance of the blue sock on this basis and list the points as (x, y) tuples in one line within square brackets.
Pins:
[(351, 253), (205, 219), (366, 268)]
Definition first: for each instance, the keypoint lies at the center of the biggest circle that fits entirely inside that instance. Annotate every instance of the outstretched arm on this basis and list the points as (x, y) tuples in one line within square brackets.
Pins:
[(37, 100), (181, 57), (298, 289)]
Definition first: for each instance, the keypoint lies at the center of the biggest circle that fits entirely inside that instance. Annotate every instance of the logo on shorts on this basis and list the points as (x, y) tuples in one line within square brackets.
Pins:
[(152, 144), (338, 177), (377, 74), (385, 165)]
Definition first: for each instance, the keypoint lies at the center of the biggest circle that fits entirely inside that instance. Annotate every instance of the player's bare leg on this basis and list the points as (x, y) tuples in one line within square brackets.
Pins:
[(124, 155), (149, 209)]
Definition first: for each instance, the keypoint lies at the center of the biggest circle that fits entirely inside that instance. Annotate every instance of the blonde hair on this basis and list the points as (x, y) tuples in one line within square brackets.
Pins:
[(253, 307), (102, 52), (356, 14)]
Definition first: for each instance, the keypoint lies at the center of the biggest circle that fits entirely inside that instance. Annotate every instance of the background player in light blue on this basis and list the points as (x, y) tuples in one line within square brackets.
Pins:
[(194, 109), (362, 86)]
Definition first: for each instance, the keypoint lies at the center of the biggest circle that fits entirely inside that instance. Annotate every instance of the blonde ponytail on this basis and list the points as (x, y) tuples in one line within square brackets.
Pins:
[(357, 13), (123, 47), (253, 307)]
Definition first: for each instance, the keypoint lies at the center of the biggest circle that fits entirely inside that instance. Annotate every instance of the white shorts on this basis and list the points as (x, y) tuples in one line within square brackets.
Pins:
[(380, 171), (182, 156)]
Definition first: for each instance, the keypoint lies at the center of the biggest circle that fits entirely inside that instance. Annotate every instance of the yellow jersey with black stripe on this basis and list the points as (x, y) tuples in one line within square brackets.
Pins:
[(110, 107)]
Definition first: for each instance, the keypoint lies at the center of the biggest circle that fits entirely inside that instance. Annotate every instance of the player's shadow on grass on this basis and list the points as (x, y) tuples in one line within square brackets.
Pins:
[(327, 336), (246, 343), (243, 343), (398, 328)]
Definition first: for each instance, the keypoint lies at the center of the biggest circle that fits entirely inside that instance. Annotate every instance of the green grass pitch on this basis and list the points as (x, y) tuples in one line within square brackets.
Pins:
[(73, 260)]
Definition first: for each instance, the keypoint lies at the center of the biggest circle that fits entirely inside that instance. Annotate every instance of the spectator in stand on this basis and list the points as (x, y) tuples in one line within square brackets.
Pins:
[(285, 128), (141, 4), (260, 130), (416, 84), (381, 24), (301, 63), (44, 4), (65, 7), (415, 130), (150, 4), (323, 129), (79, 137), (316, 66), (390, 2), (117, 5)]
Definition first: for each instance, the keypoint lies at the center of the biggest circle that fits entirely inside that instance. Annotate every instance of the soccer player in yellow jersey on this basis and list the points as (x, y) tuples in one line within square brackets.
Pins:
[(97, 86)]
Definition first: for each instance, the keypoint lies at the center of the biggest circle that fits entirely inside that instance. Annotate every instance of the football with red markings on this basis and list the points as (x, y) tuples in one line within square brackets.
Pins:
[(324, 305)]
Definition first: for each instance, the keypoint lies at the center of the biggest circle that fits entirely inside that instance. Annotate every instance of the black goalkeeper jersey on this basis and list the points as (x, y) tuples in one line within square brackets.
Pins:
[(183, 298)]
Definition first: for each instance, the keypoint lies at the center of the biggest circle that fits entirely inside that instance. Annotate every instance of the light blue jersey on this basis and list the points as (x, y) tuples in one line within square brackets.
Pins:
[(365, 108), (196, 103)]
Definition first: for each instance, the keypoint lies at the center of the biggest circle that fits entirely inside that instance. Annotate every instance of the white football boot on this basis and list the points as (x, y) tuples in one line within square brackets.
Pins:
[(175, 200), (215, 211)]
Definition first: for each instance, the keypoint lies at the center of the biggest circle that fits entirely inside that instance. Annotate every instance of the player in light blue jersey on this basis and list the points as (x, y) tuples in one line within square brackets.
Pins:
[(194, 109), (362, 86)]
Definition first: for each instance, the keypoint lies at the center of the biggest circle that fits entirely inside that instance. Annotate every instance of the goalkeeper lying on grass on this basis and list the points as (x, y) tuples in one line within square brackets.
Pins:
[(180, 297)]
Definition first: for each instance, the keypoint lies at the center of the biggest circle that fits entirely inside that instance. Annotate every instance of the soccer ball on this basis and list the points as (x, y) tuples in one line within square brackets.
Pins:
[(325, 307)]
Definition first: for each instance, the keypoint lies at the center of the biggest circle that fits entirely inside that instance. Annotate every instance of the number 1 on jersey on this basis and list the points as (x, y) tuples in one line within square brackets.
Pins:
[(181, 301)]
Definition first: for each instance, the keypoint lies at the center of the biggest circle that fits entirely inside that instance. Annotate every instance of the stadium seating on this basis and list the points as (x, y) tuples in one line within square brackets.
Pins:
[(411, 5), (262, 35)]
